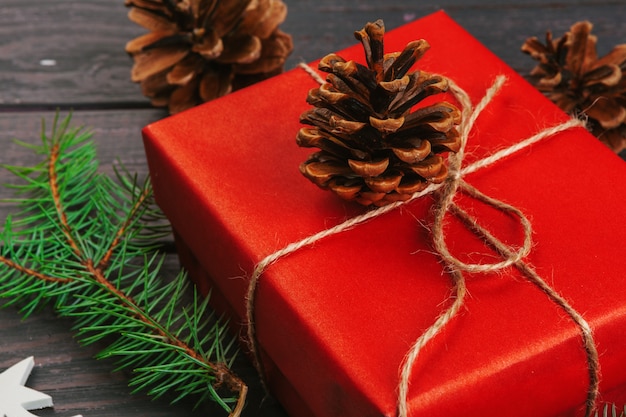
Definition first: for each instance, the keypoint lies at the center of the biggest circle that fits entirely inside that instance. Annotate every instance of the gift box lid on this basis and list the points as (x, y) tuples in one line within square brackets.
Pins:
[(336, 319)]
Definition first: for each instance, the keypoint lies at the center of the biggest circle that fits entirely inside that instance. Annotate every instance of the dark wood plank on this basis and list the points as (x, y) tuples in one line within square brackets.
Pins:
[(502, 26), (505, 30), (116, 134), (86, 39), (80, 384), (68, 372)]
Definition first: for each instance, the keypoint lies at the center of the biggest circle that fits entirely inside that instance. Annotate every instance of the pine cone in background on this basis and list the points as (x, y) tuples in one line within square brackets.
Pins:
[(198, 50), (571, 75), (373, 149)]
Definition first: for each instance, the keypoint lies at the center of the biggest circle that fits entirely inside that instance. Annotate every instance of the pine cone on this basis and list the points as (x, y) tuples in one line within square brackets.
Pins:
[(373, 149), (198, 50), (571, 75)]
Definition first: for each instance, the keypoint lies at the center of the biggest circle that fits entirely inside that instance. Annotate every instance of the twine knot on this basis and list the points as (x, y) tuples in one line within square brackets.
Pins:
[(446, 192), (509, 256)]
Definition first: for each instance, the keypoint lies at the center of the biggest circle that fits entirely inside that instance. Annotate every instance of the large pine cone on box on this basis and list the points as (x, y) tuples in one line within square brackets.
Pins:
[(373, 149), (570, 73), (198, 50)]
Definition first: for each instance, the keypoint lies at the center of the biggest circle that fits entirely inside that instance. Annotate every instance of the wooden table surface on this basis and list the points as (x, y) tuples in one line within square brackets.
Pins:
[(70, 55)]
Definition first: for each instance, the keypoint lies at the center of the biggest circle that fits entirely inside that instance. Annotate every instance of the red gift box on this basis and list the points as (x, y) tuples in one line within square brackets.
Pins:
[(335, 320)]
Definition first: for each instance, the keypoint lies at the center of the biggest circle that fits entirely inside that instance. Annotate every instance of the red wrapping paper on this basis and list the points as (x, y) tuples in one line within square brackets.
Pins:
[(335, 320)]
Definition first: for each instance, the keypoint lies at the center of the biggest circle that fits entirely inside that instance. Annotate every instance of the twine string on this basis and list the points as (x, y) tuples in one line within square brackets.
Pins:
[(455, 182), (446, 192), (446, 205), (555, 297)]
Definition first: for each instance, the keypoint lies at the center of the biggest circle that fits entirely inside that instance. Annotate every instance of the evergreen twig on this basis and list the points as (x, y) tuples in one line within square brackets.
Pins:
[(87, 244)]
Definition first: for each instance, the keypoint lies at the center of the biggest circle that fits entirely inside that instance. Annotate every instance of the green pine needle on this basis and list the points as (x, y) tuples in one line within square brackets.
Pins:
[(88, 245)]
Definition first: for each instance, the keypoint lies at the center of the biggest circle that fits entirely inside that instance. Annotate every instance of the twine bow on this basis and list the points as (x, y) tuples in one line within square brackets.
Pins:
[(510, 256), (446, 192)]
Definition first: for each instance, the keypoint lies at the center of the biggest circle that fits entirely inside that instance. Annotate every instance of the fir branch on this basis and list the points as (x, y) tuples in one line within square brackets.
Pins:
[(86, 244), (29, 272)]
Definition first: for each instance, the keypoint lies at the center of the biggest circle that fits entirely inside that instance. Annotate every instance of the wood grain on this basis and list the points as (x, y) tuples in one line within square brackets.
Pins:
[(116, 133), (68, 372), (70, 54), (502, 26), (80, 384), (86, 40)]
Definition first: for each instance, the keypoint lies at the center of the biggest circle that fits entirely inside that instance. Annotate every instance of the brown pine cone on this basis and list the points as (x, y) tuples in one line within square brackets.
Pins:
[(198, 50), (572, 76), (373, 149)]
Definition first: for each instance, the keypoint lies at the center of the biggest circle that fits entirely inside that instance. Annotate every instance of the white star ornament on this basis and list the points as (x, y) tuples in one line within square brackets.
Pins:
[(15, 398)]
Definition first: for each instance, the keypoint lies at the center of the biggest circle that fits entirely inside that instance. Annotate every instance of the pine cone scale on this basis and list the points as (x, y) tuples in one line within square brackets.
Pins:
[(151, 20), (374, 148), (537, 50), (183, 71), (408, 186), (368, 198), (572, 76), (225, 15), (608, 113), (441, 176), (156, 60), (385, 184), (209, 47), (157, 82), (405, 60), (241, 50), (214, 84), (311, 138), (387, 92), (386, 126), (344, 105), (421, 85), (413, 155), (354, 78), (429, 167), (439, 117), (368, 169), (183, 95), (608, 75), (581, 48), (236, 42), (347, 192), (273, 52), (255, 12), (345, 127), (202, 10), (322, 172), (143, 42), (371, 37), (332, 95), (617, 56), (265, 20), (154, 5)]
